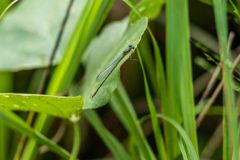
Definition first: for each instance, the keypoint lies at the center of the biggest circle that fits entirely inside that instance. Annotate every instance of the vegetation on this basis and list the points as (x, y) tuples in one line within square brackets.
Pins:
[(52, 106)]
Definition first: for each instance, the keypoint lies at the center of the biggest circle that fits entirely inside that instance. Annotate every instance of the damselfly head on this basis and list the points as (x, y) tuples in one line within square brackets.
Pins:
[(131, 46)]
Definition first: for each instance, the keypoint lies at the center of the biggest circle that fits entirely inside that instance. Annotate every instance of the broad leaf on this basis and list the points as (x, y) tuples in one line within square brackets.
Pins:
[(103, 50), (54, 105), (29, 32), (148, 8)]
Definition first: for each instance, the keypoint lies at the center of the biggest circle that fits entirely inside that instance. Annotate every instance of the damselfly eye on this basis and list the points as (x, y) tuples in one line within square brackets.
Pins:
[(130, 46)]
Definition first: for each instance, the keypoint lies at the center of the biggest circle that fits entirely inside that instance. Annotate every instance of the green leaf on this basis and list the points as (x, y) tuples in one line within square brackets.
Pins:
[(226, 137), (160, 81), (32, 28), (54, 105), (113, 40), (89, 22), (3, 5), (157, 132), (12, 120), (111, 142), (148, 8), (148, 61), (122, 106), (229, 99), (190, 147), (179, 75), (6, 85), (181, 146), (94, 14), (191, 150), (156, 129), (180, 130)]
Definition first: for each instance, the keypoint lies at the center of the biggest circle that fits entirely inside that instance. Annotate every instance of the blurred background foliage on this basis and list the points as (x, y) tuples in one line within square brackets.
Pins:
[(24, 72)]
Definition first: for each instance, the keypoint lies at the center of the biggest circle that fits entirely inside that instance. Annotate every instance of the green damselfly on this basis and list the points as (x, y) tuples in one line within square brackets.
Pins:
[(107, 71)]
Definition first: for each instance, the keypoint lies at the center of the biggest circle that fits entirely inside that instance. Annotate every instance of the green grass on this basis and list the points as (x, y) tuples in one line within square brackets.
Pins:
[(90, 44)]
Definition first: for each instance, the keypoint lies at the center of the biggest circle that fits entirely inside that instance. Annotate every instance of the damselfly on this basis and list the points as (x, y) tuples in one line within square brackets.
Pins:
[(107, 71)]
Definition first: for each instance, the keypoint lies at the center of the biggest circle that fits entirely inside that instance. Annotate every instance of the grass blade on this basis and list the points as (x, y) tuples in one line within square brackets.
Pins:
[(157, 133), (180, 130), (6, 83), (17, 123), (113, 145), (121, 104), (86, 28), (231, 121), (182, 148), (179, 75)]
